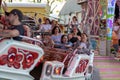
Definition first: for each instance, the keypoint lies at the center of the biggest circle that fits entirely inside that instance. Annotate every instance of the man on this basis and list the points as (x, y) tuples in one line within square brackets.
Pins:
[(16, 28)]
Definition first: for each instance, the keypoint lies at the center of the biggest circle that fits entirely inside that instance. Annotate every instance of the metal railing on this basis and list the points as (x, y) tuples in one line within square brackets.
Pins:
[(32, 39)]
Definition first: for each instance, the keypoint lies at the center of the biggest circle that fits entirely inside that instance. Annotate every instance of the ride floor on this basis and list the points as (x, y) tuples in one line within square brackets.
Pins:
[(108, 67)]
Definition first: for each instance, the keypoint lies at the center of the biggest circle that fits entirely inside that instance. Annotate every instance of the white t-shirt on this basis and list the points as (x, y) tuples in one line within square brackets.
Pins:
[(83, 45), (56, 38), (46, 27)]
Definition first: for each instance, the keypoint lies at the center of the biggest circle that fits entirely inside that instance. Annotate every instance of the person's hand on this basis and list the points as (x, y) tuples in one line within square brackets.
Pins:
[(79, 47), (4, 6), (67, 46), (70, 49)]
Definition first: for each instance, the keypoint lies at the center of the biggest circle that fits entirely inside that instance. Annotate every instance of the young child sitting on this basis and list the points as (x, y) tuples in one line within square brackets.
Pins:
[(84, 45), (65, 44), (84, 41)]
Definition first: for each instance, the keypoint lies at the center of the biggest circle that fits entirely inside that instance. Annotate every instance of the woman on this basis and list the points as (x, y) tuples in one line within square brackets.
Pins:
[(75, 34), (118, 31), (116, 35), (116, 26), (56, 35), (74, 21), (115, 44), (53, 23), (46, 27)]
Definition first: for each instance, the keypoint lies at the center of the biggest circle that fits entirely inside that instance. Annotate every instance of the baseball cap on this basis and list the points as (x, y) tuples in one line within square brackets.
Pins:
[(18, 13)]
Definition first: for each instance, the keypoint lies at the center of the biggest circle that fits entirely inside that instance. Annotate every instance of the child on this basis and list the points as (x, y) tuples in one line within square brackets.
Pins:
[(84, 41), (65, 44), (84, 44)]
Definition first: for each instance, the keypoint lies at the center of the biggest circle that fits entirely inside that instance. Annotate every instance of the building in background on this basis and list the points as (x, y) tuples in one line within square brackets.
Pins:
[(29, 9), (70, 9), (53, 7)]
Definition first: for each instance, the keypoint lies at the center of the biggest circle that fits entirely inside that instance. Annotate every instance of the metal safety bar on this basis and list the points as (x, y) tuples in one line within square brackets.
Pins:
[(32, 39)]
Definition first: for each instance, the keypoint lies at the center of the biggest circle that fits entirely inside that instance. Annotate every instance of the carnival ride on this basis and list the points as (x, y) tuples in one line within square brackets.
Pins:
[(17, 59)]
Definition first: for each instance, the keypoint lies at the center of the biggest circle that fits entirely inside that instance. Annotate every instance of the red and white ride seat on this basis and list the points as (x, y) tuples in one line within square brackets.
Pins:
[(78, 68), (17, 59)]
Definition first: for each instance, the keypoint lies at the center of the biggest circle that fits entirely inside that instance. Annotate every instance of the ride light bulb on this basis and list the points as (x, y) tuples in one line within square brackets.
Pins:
[(57, 71), (29, 58), (48, 70), (11, 57)]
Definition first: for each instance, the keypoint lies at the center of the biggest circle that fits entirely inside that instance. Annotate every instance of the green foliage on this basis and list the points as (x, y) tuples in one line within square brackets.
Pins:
[(110, 15), (109, 38)]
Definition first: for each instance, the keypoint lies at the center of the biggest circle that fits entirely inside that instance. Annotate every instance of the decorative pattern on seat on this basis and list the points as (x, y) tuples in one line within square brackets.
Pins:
[(12, 59), (29, 58), (82, 66), (18, 58)]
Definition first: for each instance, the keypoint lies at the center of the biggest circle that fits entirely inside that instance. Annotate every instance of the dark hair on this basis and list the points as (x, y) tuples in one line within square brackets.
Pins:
[(18, 13), (53, 30), (85, 34), (116, 11), (79, 33), (53, 21), (40, 20), (47, 19), (63, 37), (74, 17)]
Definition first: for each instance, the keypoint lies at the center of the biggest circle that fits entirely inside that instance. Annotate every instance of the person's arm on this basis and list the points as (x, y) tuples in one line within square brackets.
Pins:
[(1, 26), (9, 33), (5, 8), (27, 30), (69, 45)]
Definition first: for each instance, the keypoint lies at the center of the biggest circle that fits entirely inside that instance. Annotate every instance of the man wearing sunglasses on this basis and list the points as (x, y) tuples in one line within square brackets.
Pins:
[(15, 19)]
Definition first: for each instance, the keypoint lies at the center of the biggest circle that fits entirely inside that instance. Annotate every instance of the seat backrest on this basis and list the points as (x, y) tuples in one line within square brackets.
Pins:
[(54, 54), (19, 56), (78, 65)]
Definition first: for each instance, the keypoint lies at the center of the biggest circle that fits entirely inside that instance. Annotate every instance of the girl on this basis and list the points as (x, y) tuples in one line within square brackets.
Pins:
[(65, 44), (84, 41)]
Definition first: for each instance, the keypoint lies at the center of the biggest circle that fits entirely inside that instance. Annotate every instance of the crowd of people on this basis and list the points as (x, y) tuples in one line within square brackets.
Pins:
[(52, 33)]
